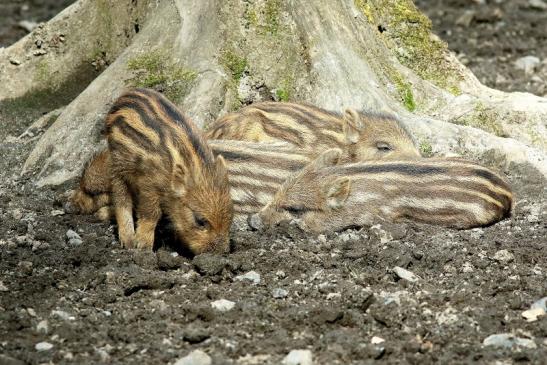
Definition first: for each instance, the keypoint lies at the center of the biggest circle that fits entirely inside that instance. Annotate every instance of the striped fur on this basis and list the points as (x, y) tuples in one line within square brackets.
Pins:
[(255, 172), (361, 136), (161, 164), (451, 193)]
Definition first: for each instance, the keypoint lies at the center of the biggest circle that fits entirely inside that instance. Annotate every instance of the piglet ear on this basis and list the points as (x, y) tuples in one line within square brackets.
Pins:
[(352, 126), (220, 165), (327, 158), (337, 192), (179, 180)]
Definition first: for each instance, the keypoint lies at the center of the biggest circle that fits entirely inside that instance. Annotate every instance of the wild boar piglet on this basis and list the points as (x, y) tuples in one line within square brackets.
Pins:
[(160, 164), (360, 135), (325, 197)]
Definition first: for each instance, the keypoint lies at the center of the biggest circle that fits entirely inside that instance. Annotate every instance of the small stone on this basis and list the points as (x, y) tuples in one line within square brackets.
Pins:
[(43, 346), (255, 222), (542, 303), (17, 214), (508, 340), (467, 267), (298, 357), (321, 239), (251, 276), (39, 52), (223, 305), (3, 287), (195, 335), (280, 274), (279, 293), (75, 242), (37, 245), (405, 274), (31, 312), (527, 63), (537, 4), (384, 236), (70, 234), (504, 256), (331, 296), (377, 340), (466, 18), (57, 212), (63, 315), (196, 357), (532, 315), (14, 61), (42, 327), (104, 355), (27, 25)]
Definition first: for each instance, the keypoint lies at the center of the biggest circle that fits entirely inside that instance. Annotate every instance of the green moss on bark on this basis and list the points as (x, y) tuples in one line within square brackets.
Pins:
[(234, 63), (155, 70), (409, 36), (483, 118)]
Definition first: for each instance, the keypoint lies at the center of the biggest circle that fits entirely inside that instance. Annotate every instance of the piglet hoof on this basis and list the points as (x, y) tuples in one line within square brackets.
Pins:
[(104, 214), (127, 242), (143, 245)]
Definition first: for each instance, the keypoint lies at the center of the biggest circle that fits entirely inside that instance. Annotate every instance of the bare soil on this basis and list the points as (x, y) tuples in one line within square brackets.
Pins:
[(97, 303)]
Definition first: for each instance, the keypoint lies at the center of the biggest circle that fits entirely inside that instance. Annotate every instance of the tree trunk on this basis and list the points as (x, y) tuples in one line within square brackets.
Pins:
[(213, 56)]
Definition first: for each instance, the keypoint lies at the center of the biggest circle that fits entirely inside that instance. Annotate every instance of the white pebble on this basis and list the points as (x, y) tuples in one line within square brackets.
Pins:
[(42, 327), (405, 274), (504, 256), (252, 276), (3, 287), (298, 357), (384, 236), (537, 4), (333, 296), (508, 340), (467, 267), (377, 340), (527, 63), (542, 303), (532, 315), (43, 346), (70, 234), (27, 25), (223, 305), (280, 274), (196, 357), (279, 293), (63, 315)]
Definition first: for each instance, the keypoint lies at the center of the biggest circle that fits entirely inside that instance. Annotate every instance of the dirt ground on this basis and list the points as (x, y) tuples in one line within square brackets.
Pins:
[(95, 303)]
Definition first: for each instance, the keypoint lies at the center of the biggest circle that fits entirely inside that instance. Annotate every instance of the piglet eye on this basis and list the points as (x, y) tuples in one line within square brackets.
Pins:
[(295, 210), (201, 222), (383, 147)]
